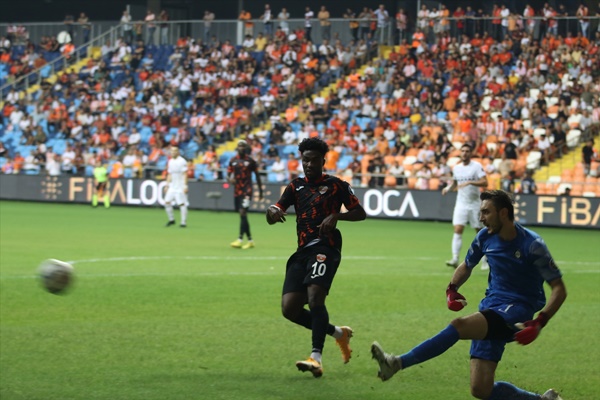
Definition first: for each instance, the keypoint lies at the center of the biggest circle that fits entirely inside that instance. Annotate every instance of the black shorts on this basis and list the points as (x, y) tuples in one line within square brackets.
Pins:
[(314, 265), (101, 186), (241, 202)]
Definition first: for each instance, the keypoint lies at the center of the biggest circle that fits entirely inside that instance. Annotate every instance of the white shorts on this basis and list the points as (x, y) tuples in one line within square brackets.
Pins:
[(177, 195), (463, 215)]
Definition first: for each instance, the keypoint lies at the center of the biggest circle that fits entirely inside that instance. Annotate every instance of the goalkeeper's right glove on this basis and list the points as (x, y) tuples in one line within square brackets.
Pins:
[(455, 300)]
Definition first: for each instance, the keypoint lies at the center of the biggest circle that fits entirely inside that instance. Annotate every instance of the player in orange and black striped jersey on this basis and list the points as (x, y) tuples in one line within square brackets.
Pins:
[(317, 199), (240, 171)]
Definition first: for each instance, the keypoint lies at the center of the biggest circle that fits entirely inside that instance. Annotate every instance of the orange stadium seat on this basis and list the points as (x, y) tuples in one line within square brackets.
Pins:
[(434, 183), (412, 181), (389, 181)]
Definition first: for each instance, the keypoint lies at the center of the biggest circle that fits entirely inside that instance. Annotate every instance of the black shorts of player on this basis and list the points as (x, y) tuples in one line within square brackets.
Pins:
[(312, 265), (101, 186), (498, 329), (240, 202)]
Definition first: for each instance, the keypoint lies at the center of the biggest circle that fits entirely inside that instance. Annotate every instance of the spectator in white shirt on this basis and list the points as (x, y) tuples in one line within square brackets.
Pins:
[(67, 159), (134, 137), (279, 168), (308, 15), (12, 96)]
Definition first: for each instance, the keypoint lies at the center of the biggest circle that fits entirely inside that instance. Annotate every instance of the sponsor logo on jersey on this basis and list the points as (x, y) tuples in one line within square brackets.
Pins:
[(321, 258), (518, 254), (299, 188)]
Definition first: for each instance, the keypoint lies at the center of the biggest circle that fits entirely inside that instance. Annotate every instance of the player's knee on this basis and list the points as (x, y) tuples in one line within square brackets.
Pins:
[(481, 390), (290, 313), (460, 325)]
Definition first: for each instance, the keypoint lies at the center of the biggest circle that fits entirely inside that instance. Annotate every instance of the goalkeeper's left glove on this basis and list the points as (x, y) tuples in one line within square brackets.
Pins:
[(531, 329), (455, 300)]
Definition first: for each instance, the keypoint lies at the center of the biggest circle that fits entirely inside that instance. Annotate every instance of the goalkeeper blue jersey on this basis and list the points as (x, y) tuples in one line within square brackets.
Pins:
[(518, 268)]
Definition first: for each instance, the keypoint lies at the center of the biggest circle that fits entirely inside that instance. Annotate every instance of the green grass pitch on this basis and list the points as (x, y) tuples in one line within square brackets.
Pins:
[(170, 313)]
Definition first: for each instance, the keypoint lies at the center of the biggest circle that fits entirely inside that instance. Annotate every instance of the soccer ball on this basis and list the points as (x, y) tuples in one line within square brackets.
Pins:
[(56, 275)]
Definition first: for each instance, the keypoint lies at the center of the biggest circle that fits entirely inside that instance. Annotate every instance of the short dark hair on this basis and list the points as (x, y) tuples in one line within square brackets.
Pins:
[(315, 144), (467, 145), (500, 199)]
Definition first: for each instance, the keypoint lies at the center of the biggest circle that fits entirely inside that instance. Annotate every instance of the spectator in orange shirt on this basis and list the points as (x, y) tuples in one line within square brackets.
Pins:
[(117, 169), (246, 17), (292, 166), (18, 162)]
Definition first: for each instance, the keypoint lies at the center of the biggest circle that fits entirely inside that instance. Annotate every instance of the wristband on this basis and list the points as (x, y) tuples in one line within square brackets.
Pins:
[(452, 287)]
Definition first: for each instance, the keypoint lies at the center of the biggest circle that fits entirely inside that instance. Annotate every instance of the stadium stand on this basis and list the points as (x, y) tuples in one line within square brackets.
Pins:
[(396, 119)]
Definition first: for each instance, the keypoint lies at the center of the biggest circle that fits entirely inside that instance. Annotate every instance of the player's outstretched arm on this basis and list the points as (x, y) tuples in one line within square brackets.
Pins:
[(455, 300), (530, 330), (275, 214)]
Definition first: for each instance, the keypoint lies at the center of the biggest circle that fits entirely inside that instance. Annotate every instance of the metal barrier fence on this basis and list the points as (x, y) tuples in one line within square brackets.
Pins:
[(233, 30)]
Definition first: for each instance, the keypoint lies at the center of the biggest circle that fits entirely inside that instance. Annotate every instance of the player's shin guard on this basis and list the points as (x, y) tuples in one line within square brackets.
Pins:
[(320, 322), (305, 319), (456, 245), (245, 227), (505, 390), (431, 348), (184, 211), (169, 210)]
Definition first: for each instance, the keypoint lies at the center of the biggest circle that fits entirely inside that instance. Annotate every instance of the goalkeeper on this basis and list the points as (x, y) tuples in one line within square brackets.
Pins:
[(519, 264)]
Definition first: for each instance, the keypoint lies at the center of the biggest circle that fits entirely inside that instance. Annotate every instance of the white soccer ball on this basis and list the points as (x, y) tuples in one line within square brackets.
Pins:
[(56, 275)]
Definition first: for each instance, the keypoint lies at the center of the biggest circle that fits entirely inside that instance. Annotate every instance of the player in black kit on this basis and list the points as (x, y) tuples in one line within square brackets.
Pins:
[(317, 199)]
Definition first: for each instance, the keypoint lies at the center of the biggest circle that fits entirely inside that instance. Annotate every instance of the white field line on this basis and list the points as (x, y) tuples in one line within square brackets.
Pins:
[(272, 270)]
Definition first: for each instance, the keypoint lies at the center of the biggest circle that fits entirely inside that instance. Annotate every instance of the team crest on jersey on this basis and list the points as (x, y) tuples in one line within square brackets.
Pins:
[(323, 189), (321, 258), (246, 163), (518, 254)]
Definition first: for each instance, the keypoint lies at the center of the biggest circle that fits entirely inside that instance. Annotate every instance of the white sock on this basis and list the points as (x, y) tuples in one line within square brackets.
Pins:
[(183, 209), (456, 245), (338, 332), (316, 356), (169, 210)]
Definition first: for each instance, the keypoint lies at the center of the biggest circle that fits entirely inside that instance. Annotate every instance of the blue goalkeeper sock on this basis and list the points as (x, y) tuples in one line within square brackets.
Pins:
[(505, 390), (431, 348)]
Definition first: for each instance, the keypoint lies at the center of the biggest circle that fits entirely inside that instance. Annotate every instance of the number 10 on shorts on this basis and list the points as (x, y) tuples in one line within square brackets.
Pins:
[(318, 269)]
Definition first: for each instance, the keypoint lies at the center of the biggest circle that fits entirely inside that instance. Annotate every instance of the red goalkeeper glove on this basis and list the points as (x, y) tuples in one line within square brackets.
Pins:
[(529, 330), (456, 301)]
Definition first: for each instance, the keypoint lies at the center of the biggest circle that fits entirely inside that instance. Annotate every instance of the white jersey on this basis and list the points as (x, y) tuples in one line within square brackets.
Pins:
[(177, 168), (468, 196)]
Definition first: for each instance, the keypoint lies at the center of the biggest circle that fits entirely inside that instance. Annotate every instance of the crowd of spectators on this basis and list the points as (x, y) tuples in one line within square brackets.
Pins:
[(518, 96)]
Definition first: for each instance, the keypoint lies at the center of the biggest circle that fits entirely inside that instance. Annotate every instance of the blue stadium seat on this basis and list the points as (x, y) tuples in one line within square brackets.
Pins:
[(208, 175), (225, 157), (344, 161)]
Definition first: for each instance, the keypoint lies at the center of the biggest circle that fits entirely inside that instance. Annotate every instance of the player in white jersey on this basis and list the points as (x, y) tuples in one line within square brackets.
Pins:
[(468, 177), (176, 187)]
